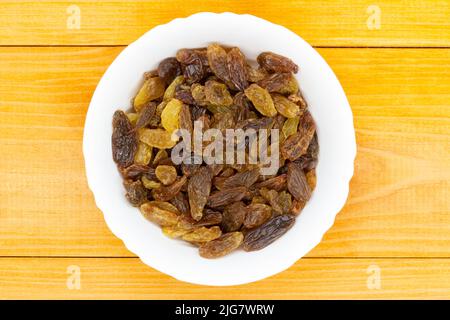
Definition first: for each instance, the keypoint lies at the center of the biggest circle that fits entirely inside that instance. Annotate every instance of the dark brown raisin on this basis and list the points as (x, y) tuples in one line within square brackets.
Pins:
[(233, 216), (297, 183), (226, 197), (146, 114), (168, 69), (242, 179), (199, 187), (273, 62), (267, 233), (124, 140), (181, 202), (136, 192), (277, 183), (185, 96)]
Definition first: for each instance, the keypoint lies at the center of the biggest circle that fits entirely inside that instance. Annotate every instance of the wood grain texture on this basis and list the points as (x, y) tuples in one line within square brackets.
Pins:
[(398, 204), (322, 23), (120, 278)]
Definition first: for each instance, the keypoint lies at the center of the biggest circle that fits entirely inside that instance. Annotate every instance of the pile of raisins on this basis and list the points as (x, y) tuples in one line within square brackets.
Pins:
[(218, 208)]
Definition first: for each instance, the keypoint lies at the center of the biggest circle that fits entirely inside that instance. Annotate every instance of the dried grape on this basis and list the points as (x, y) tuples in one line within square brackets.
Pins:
[(203, 234), (236, 68), (284, 106), (297, 183), (297, 144), (158, 138), (152, 89), (168, 69), (136, 193), (166, 174), (273, 62), (199, 187), (217, 94), (267, 233), (158, 215), (217, 58), (256, 215), (124, 141), (170, 116), (226, 197), (233, 216), (221, 246), (261, 99)]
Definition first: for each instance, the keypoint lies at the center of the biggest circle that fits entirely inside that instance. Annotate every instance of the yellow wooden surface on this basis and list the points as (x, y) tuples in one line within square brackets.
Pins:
[(397, 217), (324, 23), (128, 278)]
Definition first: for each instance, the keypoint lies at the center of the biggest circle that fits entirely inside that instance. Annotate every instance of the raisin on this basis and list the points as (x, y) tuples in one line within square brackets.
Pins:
[(185, 96), (296, 145), (133, 117), (198, 94), (199, 187), (155, 213), (226, 197), (256, 215), (284, 83), (273, 62), (166, 174), (203, 234), (236, 68), (150, 184), (290, 127), (170, 116), (285, 106), (145, 115), (181, 202), (297, 183), (277, 183), (158, 138), (217, 58), (152, 89), (165, 193), (267, 233), (185, 119), (261, 99), (136, 193), (309, 160), (171, 89), (254, 74), (143, 154), (192, 64), (135, 171), (233, 216), (174, 231), (210, 218), (217, 93), (221, 246), (242, 179), (124, 141), (168, 69)]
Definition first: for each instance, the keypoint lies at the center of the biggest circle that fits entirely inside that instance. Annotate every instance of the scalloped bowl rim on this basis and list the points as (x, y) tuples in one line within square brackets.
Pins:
[(334, 122)]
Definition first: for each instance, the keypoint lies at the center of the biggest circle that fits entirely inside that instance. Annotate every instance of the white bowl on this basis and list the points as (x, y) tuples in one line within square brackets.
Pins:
[(327, 103)]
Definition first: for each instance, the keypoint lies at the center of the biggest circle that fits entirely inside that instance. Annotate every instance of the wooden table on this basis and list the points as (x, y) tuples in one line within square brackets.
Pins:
[(391, 240)]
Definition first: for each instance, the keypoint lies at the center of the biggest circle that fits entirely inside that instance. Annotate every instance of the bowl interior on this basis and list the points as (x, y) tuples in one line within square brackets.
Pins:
[(327, 103)]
